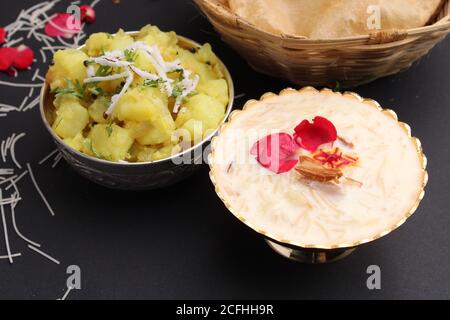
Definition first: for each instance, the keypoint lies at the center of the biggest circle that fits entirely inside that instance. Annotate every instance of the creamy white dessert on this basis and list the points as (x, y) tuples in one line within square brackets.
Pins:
[(365, 200)]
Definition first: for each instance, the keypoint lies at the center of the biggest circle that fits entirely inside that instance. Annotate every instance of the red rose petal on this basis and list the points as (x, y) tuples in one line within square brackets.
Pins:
[(2, 35), (7, 56), (275, 152), (24, 57), (310, 136), (87, 14), (62, 25)]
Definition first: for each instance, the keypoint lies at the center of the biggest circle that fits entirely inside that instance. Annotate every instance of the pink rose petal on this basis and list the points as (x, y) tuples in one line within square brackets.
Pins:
[(276, 152), (62, 25), (310, 136)]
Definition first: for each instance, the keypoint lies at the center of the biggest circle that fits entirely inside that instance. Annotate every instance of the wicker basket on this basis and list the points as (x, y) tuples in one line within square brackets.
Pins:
[(352, 61)]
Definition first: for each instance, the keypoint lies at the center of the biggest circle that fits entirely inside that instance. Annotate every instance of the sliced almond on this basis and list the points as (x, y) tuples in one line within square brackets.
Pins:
[(311, 169)]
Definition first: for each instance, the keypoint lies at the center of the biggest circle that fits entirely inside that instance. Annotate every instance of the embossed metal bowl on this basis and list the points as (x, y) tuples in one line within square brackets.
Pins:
[(310, 253), (133, 176)]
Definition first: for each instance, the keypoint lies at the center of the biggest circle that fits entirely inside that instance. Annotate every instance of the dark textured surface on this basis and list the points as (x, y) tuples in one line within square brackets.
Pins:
[(181, 242)]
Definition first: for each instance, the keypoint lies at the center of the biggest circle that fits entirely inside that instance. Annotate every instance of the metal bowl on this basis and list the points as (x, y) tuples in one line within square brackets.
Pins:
[(309, 253), (134, 176)]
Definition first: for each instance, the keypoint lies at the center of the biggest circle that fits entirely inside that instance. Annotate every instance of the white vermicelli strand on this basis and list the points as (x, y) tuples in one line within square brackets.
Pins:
[(45, 255), (38, 189), (5, 228)]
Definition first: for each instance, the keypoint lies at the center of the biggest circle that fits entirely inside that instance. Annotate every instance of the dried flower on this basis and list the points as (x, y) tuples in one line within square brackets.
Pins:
[(2, 35), (310, 136), (276, 152), (63, 25), (334, 158), (24, 57), (20, 58), (88, 14)]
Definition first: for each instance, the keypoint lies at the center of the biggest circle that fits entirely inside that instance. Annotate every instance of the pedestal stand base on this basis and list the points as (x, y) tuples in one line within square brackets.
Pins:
[(312, 256)]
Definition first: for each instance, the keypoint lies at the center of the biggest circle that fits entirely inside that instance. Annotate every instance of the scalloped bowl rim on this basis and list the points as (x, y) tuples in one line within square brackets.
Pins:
[(352, 95)]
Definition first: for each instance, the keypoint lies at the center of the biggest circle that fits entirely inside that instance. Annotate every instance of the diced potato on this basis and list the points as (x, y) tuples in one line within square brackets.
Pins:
[(71, 119), (121, 41), (206, 55), (166, 152), (142, 62), (136, 106), (97, 109), (143, 126), (153, 132), (195, 129), (142, 153), (65, 99), (218, 70), (146, 114), (76, 142), (98, 43), (110, 86), (110, 142), (217, 89), (203, 108), (166, 41), (87, 147), (155, 94), (68, 65), (189, 61)]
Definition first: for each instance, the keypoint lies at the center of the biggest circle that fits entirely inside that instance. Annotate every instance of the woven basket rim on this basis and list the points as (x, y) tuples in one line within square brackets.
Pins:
[(441, 24)]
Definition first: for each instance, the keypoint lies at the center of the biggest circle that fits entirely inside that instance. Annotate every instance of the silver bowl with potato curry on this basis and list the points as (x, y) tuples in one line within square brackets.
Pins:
[(136, 110)]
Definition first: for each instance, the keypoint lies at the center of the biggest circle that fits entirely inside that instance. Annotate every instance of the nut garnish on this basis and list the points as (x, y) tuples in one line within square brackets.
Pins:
[(346, 142), (311, 169)]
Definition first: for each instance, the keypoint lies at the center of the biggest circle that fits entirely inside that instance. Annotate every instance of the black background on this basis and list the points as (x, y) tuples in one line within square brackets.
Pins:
[(180, 242)]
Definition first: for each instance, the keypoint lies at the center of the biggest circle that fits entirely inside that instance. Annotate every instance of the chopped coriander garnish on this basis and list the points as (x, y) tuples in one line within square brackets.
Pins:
[(193, 93), (94, 152), (130, 55), (177, 90), (109, 129), (59, 122), (74, 88), (96, 91), (103, 71), (153, 83)]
